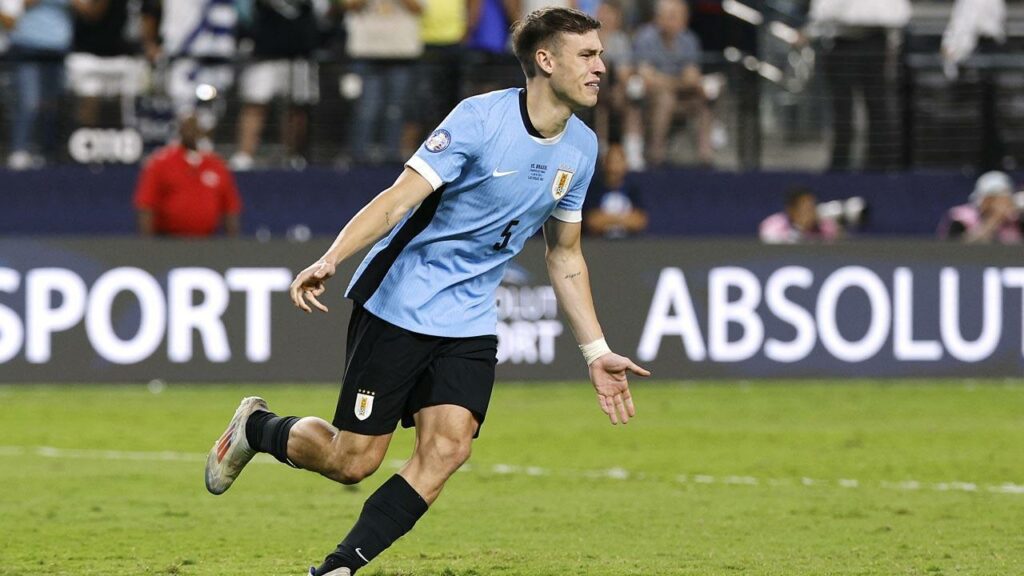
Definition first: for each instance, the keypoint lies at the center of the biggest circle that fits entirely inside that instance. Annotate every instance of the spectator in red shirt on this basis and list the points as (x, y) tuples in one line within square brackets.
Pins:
[(184, 191)]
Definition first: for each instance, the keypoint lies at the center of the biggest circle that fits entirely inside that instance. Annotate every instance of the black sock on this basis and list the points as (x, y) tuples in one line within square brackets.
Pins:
[(387, 515), (268, 432)]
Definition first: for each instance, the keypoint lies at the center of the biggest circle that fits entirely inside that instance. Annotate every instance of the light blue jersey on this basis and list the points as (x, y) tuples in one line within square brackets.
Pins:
[(496, 181)]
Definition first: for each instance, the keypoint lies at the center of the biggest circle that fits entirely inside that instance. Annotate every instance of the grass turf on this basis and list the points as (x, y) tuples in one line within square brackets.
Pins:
[(769, 478)]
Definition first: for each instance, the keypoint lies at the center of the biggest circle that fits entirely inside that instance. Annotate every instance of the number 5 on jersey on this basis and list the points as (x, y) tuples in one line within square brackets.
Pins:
[(506, 235)]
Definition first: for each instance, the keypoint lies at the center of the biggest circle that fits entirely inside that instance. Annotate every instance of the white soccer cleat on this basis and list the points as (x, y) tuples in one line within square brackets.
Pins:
[(335, 572), (231, 452)]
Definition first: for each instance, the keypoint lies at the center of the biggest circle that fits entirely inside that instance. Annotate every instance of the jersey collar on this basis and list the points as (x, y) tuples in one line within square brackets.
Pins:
[(531, 129)]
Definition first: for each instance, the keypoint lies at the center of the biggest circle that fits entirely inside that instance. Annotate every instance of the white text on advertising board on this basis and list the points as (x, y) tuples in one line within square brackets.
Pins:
[(57, 300), (740, 302), (527, 324)]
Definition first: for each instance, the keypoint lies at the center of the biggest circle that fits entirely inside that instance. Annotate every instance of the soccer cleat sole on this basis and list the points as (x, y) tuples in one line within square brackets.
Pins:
[(231, 452)]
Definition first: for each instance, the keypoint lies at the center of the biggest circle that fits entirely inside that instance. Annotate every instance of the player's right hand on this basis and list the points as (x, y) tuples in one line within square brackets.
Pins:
[(309, 284)]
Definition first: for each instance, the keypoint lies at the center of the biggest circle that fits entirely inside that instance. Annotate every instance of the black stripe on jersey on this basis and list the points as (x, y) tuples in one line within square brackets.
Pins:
[(377, 269), (526, 115)]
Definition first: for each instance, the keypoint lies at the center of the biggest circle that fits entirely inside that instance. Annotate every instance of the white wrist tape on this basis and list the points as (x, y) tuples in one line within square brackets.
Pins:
[(594, 350)]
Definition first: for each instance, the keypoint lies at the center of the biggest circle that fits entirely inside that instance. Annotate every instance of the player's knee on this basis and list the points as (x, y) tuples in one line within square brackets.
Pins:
[(349, 467), (352, 470), (449, 453)]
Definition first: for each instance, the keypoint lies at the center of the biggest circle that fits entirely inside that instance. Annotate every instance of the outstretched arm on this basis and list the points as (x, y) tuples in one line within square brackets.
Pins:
[(571, 281), (371, 223)]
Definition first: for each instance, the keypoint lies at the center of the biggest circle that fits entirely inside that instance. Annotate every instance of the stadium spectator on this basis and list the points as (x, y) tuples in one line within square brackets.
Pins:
[(588, 7), (527, 6), (613, 207), (284, 37), (443, 28), (799, 222), (973, 25), (40, 38), (101, 65), (979, 26), (186, 191), (487, 63), (860, 55), (384, 42), (9, 9), (618, 49), (618, 58), (196, 41), (668, 78), (990, 216)]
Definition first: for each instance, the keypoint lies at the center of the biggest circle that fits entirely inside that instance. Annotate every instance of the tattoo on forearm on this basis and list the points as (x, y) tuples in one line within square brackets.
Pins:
[(573, 275), (387, 218)]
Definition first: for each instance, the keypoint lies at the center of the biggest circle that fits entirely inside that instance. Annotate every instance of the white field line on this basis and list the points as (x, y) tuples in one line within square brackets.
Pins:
[(615, 473)]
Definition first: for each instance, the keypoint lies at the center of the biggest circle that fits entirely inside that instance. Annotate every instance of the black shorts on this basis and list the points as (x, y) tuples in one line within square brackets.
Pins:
[(392, 373)]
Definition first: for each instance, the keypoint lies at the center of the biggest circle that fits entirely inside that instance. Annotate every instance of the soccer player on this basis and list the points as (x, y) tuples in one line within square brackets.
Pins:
[(421, 347)]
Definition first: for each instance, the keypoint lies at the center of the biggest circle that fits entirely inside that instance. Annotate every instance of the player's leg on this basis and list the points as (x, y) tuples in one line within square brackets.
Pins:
[(308, 443), (383, 363), (448, 407), (345, 457), (444, 435), (444, 439)]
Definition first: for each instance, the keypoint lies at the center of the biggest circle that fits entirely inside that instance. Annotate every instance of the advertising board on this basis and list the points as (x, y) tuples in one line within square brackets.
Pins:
[(130, 310)]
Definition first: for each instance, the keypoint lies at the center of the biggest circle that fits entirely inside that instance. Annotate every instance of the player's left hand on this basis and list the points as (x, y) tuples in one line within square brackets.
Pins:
[(608, 374)]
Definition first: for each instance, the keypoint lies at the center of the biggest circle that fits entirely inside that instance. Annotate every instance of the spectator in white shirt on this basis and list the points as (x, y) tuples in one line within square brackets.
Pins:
[(384, 43), (971, 21)]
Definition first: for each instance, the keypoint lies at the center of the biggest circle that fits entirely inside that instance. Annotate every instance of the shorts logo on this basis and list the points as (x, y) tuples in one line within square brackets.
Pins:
[(438, 140), (561, 184), (364, 404)]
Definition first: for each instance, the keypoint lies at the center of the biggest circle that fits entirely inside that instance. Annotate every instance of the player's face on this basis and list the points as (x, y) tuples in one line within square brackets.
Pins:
[(578, 69)]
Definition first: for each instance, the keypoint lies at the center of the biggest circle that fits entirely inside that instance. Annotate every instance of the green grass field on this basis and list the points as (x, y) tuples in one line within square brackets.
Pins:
[(772, 478)]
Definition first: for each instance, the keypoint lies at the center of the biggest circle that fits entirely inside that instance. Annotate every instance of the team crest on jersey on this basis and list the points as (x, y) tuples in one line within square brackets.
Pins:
[(561, 184), (439, 140), (364, 404)]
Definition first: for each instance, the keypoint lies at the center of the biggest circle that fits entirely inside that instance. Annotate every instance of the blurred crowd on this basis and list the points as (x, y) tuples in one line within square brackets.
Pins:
[(406, 64), (402, 64), (389, 70)]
